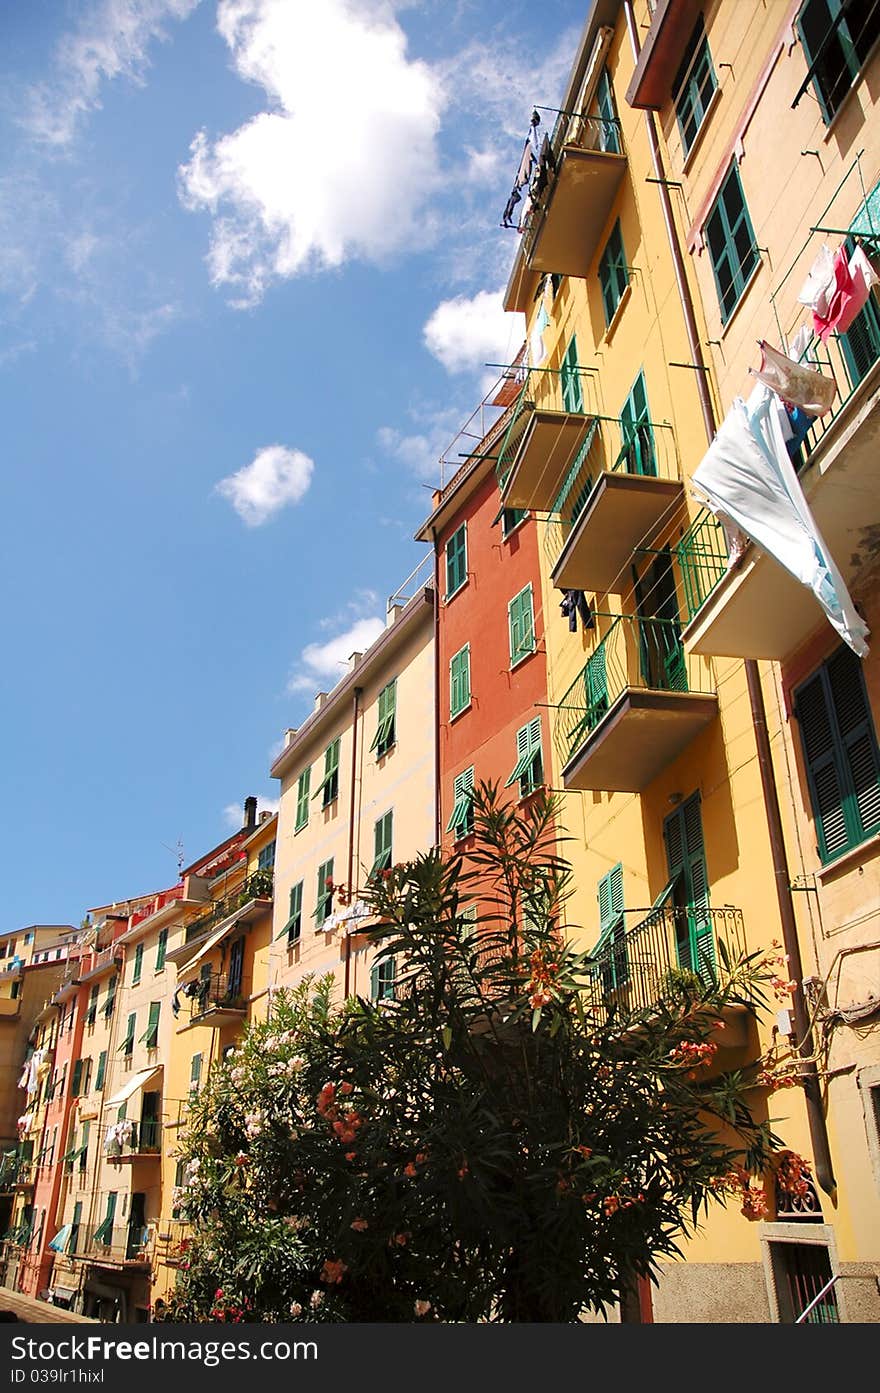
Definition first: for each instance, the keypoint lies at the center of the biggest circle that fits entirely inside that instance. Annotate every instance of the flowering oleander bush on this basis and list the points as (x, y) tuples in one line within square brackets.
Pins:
[(490, 1144)]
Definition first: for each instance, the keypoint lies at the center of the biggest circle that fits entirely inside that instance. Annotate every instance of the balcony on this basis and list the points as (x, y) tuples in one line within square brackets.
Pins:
[(584, 172), (633, 708), (756, 609), (129, 1245), (130, 1141), (623, 484), (670, 954), (213, 1001), (672, 24), (248, 900), (549, 426)]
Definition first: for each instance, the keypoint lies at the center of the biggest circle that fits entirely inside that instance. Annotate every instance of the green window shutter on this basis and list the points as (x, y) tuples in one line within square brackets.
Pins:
[(150, 1037), (102, 1069), (609, 133), (529, 768), (511, 519), (328, 788), (456, 560), (138, 964), (382, 842), (693, 86), (76, 1085), (461, 822), (611, 950), (686, 863), (195, 1073), (385, 730), (837, 39), (382, 978), (613, 273), (128, 1039), (731, 243), (521, 620), (111, 997), (572, 393), (86, 1074), (324, 899), (92, 1012), (266, 857), (161, 948), (293, 927), (460, 680), (83, 1148), (840, 754), (638, 453), (302, 800)]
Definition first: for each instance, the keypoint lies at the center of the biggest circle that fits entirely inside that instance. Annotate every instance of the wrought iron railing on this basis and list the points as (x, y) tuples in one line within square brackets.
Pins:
[(130, 1138), (702, 558), (213, 993), (600, 134), (646, 654), (671, 954), (564, 390), (125, 1243), (258, 886)]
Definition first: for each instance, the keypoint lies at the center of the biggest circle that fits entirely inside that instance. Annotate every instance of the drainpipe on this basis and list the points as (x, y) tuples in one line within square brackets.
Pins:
[(438, 833), (350, 882), (781, 875)]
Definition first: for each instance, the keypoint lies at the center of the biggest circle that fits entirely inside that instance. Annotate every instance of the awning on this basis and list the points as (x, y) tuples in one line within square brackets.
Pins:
[(135, 1082), (59, 1242), (211, 942)]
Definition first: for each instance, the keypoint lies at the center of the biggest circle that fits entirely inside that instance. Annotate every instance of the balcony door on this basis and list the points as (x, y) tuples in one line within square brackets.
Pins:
[(686, 862), (236, 965), (149, 1129), (136, 1224), (660, 649)]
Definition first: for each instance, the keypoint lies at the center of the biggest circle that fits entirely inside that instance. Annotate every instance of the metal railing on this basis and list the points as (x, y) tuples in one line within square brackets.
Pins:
[(127, 1243), (419, 578), (258, 886), (567, 391), (828, 1314), (646, 654), (130, 1138), (211, 993), (600, 134), (672, 954), (702, 558), (644, 448)]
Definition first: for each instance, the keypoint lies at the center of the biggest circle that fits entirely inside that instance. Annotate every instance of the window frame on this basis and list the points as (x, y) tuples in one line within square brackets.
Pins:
[(740, 278), (688, 87), (613, 273), (137, 967), (301, 819), (292, 929), (852, 64), (383, 979), (386, 716), (529, 751), (518, 653), (461, 821), (161, 949), (383, 835), (324, 901), (457, 679), (328, 788), (456, 556)]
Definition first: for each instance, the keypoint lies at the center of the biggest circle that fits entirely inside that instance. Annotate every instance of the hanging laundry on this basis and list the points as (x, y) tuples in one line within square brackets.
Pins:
[(526, 165), (853, 280), (795, 382), (818, 288), (528, 162), (537, 349), (507, 215), (747, 478), (574, 603)]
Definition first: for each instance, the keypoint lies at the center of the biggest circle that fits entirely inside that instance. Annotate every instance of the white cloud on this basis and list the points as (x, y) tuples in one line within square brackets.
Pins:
[(275, 477), (111, 40), (344, 161), (321, 665), (465, 333), (233, 813)]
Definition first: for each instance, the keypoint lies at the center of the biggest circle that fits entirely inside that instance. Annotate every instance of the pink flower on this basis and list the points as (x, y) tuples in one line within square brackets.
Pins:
[(346, 1088), (410, 1170), (359, 1225), (334, 1270), (422, 1308)]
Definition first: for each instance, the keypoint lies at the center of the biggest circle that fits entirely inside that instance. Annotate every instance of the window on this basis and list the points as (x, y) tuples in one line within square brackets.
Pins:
[(609, 130), (694, 86), (102, 1069), (161, 948), (613, 273), (385, 731), (689, 889), (840, 753), (83, 1147), (138, 964), (104, 1232), (293, 927), (570, 380), (611, 952), (529, 767), (521, 619), (637, 453), (460, 680), (461, 822), (76, 1086), (382, 841), (325, 894), (731, 242), (195, 1073), (111, 997), (837, 38), (456, 561), (92, 1012), (266, 858), (328, 788), (128, 1041), (382, 978), (150, 1037), (800, 1271), (302, 800), (86, 1075), (73, 1244), (511, 519)]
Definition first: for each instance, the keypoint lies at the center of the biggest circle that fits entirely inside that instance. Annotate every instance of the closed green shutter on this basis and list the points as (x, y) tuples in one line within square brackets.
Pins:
[(92, 1012), (456, 560), (76, 1086), (460, 680), (111, 997), (302, 800), (840, 753), (160, 949), (613, 273), (572, 393), (521, 620), (195, 1073), (611, 950), (686, 862), (382, 840), (387, 709), (138, 964), (102, 1069)]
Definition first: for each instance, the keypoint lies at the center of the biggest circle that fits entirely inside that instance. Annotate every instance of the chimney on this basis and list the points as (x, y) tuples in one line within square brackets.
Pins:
[(250, 814), (392, 614)]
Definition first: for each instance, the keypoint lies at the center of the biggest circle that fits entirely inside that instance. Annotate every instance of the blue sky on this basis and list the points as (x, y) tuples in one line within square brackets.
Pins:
[(250, 259)]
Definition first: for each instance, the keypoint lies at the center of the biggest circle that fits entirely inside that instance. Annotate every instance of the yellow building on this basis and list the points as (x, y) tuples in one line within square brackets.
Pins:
[(633, 250), (358, 792)]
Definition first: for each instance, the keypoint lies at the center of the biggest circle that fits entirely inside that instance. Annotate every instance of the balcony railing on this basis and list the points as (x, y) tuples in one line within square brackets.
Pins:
[(125, 1245), (213, 1000), (129, 1139), (548, 425), (702, 557), (670, 954), (633, 707), (258, 886)]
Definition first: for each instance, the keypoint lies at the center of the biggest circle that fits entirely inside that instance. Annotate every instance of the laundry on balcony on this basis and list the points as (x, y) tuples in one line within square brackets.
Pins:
[(747, 479), (119, 1137), (837, 289), (574, 603), (529, 161), (795, 382), (59, 1243)]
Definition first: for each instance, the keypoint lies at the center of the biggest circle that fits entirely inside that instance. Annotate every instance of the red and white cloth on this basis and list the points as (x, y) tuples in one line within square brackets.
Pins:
[(837, 290)]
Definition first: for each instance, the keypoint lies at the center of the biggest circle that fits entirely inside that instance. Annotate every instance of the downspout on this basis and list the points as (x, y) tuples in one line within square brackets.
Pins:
[(349, 881), (782, 877), (437, 820)]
